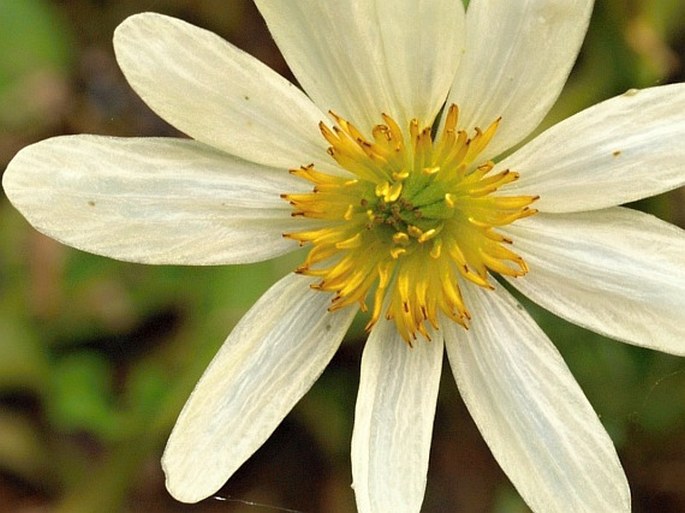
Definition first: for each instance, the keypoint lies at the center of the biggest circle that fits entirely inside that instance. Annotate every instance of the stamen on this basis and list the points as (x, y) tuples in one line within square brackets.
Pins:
[(413, 221)]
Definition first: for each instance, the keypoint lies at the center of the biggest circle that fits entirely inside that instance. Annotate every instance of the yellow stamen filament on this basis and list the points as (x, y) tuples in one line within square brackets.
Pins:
[(413, 217)]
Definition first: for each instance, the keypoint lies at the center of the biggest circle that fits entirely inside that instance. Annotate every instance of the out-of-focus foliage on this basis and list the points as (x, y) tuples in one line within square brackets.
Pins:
[(34, 57), (97, 356)]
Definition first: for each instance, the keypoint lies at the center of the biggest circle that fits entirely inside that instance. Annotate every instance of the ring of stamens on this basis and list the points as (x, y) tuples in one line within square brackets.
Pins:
[(412, 218)]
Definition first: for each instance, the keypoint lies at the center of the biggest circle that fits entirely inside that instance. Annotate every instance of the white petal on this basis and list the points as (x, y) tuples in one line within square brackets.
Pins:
[(218, 94), (269, 361), (618, 272), (172, 201), (393, 423), (531, 412), (518, 56), (621, 150), (362, 58)]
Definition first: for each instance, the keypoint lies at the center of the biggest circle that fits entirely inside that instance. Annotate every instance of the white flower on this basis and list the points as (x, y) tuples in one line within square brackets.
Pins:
[(412, 225)]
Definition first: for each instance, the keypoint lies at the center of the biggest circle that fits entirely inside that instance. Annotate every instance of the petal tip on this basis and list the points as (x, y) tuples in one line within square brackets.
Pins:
[(177, 483)]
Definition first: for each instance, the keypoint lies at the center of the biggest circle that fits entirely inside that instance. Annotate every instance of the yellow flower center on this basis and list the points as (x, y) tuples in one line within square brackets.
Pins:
[(412, 218)]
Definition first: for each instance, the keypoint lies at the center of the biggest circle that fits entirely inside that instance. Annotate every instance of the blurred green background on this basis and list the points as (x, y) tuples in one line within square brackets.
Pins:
[(97, 356)]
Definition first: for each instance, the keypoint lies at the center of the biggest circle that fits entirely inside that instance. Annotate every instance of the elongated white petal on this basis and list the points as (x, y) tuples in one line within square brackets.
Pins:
[(518, 56), (531, 412), (618, 272), (393, 422), (362, 58), (218, 94), (272, 357), (621, 150), (162, 201)]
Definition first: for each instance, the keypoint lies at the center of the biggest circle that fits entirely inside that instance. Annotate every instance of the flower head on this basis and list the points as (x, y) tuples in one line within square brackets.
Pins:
[(387, 170)]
